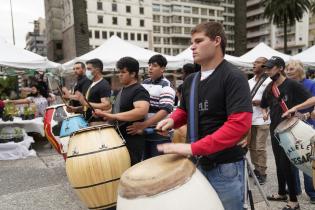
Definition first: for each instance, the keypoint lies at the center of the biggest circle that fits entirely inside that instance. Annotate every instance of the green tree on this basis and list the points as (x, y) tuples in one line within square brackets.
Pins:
[(285, 13)]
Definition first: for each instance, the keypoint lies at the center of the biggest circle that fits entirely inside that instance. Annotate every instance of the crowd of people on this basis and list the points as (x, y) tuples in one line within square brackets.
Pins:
[(225, 114)]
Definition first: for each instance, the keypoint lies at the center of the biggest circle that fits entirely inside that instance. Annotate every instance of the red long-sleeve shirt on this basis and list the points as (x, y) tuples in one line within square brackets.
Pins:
[(227, 136)]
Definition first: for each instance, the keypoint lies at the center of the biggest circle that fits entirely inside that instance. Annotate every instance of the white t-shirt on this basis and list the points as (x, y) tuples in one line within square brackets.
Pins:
[(257, 111), (205, 74)]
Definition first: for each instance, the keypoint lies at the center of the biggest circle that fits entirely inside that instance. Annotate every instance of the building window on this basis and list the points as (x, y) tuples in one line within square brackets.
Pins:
[(128, 9), (90, 34), (177, 19), (99, 19), (195, 10), (156, 18), (166, 19), (166, 41), (158, 49), (141, 10), (128, 21), (99, 5), (145, 37), (97, 34), (187, 9), (111, 33), (104, 34), (177, 30), (166, 30), (132, 36), (187, 20), (187, 30), (114, 7), (156, 8), (142, 23), (166, 8), (195, 21), (125, 36), (59, 46), (139, 37), (156, 29), (176, 8), (167, 51), (114, 21), (119, 34), (204, 11), (157, 40)]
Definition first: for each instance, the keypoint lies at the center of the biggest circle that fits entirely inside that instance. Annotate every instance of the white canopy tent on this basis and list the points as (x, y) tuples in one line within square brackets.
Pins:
[(307, 57), (12, 56), (262, 50), (115, 48), (187, 57)]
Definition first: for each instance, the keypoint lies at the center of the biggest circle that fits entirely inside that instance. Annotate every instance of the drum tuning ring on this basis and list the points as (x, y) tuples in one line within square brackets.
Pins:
[(103, 146), (75, 152)]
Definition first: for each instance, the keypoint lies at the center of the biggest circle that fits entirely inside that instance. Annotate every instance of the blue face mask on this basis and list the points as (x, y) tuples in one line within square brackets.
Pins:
[(89, 75)]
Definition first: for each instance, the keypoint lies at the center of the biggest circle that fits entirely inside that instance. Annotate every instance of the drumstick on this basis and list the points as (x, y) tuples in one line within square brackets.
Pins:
[(89, 105), (60, 92)]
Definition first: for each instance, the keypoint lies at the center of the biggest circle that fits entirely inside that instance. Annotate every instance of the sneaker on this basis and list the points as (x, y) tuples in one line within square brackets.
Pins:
[(312, 200)]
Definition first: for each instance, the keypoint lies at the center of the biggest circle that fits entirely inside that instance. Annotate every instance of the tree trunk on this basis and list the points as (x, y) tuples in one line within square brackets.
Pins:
[(240, 27), (285, 36)]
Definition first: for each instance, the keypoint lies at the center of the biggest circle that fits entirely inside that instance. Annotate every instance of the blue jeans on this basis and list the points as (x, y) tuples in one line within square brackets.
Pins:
[(228, 181), (151, 142), (308, 183)]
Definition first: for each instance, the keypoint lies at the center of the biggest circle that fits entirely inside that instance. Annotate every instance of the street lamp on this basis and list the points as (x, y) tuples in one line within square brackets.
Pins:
[(12, 23)]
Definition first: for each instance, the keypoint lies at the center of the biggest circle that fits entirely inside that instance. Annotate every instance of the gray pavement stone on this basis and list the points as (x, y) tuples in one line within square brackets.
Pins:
[(40, 183)]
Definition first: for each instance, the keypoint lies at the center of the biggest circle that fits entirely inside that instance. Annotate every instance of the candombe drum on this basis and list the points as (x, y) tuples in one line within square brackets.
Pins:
[(96, 159), (313, 159), (168, 182), (295, 138), (70, 124), (53, 118)]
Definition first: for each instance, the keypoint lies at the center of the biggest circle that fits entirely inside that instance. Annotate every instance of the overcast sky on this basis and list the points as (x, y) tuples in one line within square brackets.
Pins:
[(24, 13)]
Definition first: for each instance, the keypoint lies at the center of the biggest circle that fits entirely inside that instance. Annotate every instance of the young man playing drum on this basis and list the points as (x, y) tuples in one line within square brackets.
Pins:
[(281, 94), (131, 105), (81, 85), (216, 106)]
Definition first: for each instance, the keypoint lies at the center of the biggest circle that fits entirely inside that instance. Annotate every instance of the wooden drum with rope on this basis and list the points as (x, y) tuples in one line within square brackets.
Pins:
[(96, 158)]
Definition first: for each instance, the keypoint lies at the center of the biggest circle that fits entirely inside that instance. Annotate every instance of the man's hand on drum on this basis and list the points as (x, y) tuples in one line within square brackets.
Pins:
[(164, 126), (171, 148), (66, 93), (289, 113), (105, 115), (136, 128)]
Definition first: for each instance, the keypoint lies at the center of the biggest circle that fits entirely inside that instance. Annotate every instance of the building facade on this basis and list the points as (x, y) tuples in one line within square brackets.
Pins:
[(36, 40), (259, 29)]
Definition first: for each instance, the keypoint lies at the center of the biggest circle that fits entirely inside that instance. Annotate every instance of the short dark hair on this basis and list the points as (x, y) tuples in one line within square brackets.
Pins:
[(81, 63), (131, 65), (96, 63), (212, 29), (189, 68), (159, 59)]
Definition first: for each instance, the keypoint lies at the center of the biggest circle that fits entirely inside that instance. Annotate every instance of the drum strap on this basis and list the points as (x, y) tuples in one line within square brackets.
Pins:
[(276, 94), (257, 85), (192, 125)]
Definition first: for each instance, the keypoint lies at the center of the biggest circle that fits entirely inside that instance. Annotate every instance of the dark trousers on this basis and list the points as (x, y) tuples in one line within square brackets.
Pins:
[(135, 146), (284, 170), (151, 142), (308, 183)]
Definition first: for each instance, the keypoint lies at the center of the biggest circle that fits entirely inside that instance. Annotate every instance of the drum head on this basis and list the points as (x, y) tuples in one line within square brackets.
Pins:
[(91, 128), (155, 175), (286, 124)]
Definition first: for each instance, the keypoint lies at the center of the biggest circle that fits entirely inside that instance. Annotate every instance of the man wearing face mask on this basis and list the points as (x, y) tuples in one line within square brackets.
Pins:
[(82, 85), (291, 94), (97, 94)]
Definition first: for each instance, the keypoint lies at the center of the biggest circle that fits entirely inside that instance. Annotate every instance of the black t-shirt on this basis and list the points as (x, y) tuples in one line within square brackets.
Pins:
[(129, 95), (94, 95), (291, 92), (82, 85), (224, 92)]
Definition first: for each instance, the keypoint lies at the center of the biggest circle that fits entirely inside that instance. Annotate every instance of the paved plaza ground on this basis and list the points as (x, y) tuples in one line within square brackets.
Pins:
[(40, 183)]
